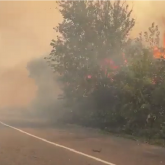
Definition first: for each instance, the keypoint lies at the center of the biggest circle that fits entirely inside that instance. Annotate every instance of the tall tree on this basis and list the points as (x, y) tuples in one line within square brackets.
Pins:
[(89, 33)]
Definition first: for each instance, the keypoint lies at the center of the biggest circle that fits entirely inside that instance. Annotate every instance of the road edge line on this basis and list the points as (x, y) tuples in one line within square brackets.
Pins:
[(58, 145)]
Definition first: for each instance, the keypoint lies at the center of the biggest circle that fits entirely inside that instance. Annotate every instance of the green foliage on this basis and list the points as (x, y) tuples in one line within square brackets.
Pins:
[(130, 98), (90, 32)]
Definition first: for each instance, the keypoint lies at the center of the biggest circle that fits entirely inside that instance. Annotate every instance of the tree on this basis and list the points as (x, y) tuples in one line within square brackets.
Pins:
[(90, 32), (142, 85), (88, 54)]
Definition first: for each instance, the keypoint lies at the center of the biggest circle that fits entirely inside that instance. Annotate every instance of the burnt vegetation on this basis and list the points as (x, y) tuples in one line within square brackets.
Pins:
[(109, 80)]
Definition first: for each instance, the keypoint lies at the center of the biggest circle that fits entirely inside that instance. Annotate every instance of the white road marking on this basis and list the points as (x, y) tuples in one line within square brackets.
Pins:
[(58, 145)]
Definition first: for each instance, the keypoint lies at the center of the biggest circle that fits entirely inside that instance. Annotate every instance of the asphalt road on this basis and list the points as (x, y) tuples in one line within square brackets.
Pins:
[(45, 145)]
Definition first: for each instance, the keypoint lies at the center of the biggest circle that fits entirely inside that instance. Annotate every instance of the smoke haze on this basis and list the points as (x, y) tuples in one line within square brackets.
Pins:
[(46, 100), (26, 29)]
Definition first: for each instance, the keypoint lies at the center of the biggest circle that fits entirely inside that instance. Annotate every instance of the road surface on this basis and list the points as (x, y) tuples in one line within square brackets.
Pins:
[(37, 143)]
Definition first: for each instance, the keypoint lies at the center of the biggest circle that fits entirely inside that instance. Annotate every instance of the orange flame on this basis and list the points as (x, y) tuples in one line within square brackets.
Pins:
[(157, 52), (108, 63)]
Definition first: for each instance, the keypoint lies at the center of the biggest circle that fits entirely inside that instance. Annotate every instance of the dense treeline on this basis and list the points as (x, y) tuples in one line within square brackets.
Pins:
[(110, 81)]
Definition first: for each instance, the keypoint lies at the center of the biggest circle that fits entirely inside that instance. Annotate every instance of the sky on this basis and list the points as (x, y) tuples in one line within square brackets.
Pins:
[(26, 29)]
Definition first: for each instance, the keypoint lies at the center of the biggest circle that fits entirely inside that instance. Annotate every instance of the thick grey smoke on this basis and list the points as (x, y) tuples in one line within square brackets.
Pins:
[(45, 106), (46, 103)]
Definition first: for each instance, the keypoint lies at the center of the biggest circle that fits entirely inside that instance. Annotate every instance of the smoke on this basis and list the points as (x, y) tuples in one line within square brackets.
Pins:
[(16, 88), (145, 13), (46, 103), (26, 31), (32, 97)]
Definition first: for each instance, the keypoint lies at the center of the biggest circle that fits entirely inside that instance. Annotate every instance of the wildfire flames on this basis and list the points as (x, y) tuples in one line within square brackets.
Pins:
[(108, 63), (157, 52)]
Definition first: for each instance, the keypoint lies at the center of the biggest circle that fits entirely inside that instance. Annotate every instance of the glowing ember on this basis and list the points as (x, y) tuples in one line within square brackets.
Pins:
[(108, 63), (89, 76)]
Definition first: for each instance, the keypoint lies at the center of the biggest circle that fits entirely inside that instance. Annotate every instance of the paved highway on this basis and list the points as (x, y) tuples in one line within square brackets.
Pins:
[(37, 143)]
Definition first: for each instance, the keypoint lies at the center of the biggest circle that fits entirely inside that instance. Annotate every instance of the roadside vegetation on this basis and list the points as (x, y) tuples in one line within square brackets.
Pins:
[(109, 80)]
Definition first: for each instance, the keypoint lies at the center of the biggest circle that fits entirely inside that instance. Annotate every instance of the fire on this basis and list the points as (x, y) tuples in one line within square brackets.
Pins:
[(105, 65), (89, 76), (157, 52), (108, 63)]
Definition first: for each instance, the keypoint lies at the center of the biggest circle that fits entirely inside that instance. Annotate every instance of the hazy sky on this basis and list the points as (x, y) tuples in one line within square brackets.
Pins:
[(26, 29)]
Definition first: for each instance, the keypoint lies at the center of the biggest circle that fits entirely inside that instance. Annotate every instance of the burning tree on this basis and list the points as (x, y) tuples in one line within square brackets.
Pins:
[(90, 55), (142, 86), (91, 34)]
